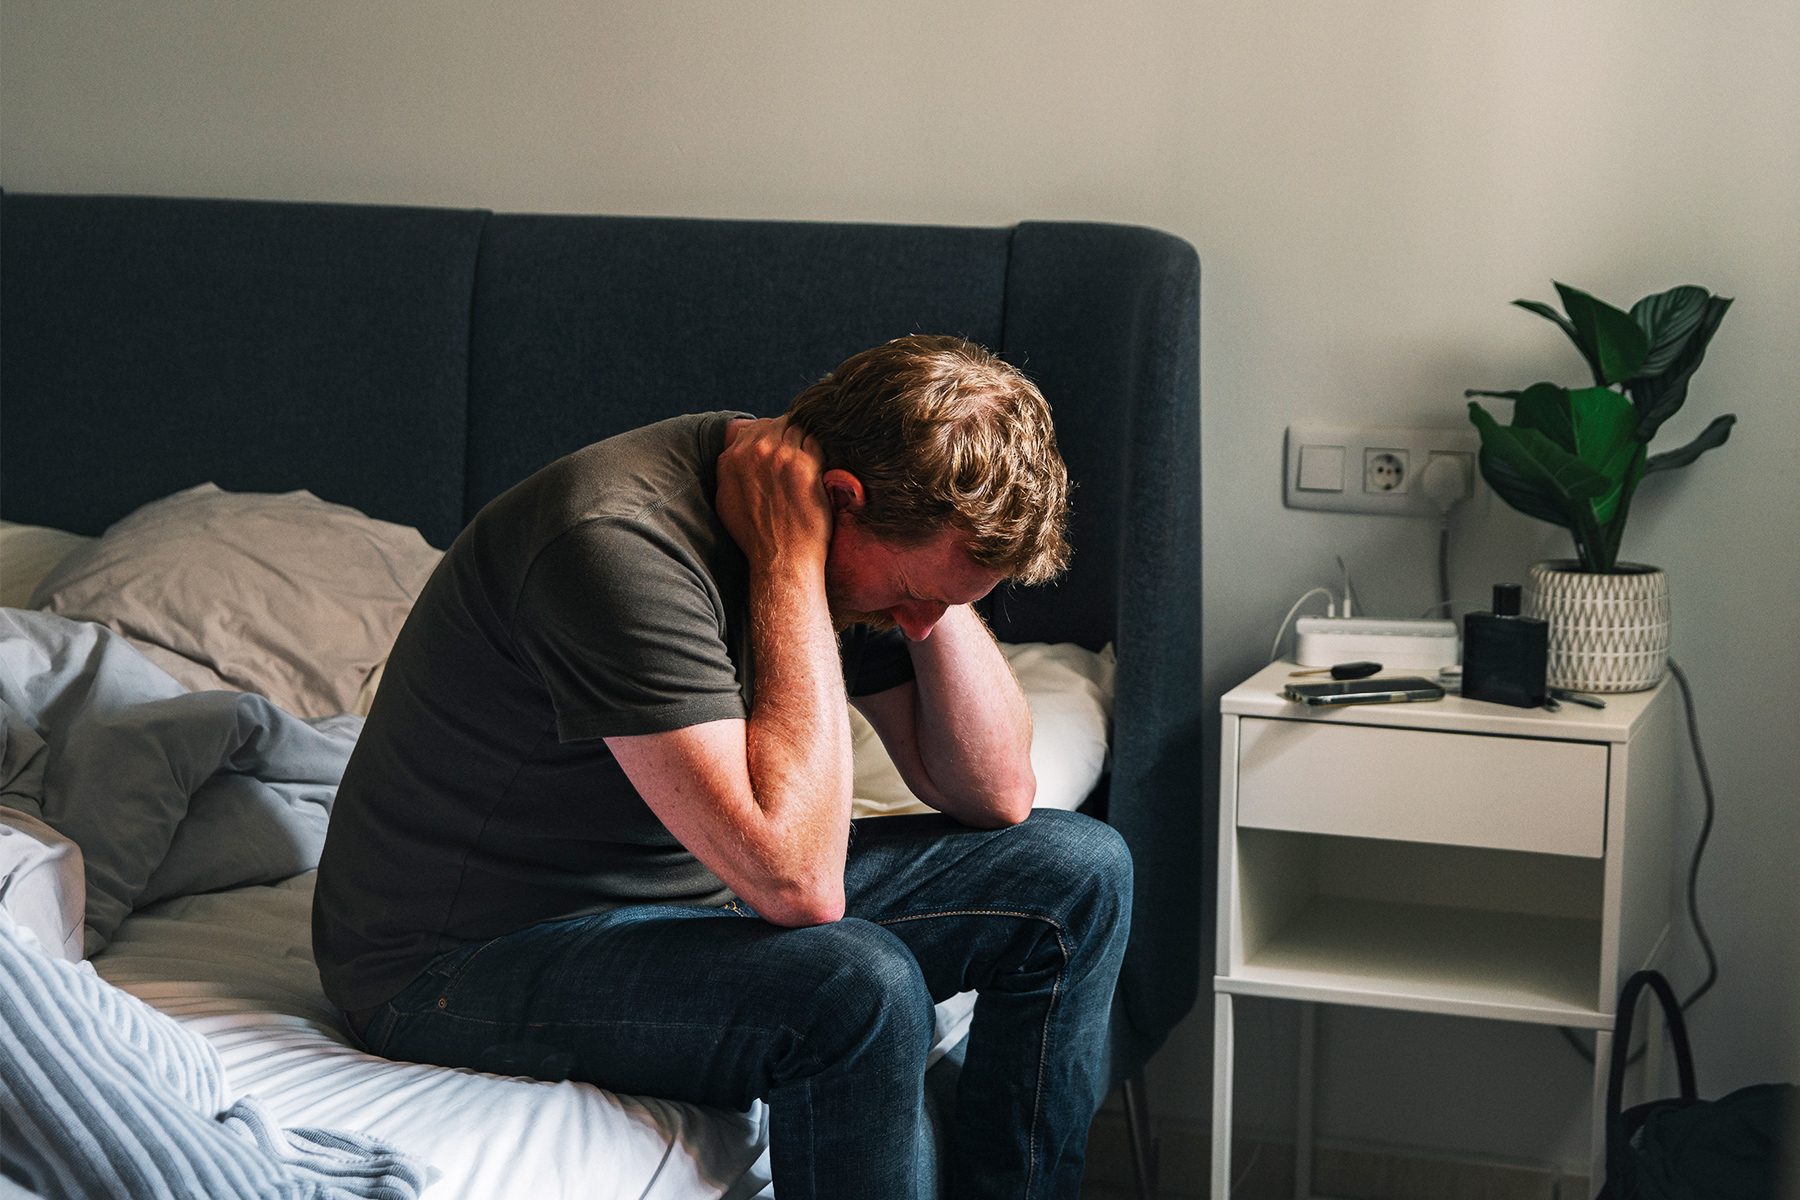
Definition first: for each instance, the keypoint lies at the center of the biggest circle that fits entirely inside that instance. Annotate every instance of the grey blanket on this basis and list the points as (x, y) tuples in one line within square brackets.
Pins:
[(167, 792)]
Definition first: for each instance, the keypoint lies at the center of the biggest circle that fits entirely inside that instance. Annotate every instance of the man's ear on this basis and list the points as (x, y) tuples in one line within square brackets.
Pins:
[(844, 490)]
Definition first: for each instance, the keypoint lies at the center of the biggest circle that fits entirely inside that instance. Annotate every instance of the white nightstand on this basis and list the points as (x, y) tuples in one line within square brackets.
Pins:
[(1449, 856)]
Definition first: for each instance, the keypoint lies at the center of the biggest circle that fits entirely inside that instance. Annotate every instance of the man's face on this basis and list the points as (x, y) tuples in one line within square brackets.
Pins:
[(878, 583)]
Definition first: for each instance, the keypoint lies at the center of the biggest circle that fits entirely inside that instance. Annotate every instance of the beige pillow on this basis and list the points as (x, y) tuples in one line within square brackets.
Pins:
[(283, 594), (27, 554), (1070, 693)]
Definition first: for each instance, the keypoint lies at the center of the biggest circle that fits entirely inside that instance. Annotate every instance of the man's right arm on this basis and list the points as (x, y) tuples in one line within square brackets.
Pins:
[(765, 802)]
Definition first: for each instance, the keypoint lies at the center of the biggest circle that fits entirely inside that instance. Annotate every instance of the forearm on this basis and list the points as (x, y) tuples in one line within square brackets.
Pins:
[(797, 740), (973, 725)]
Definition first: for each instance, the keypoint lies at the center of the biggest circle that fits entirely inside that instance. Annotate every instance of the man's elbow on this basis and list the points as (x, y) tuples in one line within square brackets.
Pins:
[(1017, 807), (1011, 803), (796, 905), (1022, 794)]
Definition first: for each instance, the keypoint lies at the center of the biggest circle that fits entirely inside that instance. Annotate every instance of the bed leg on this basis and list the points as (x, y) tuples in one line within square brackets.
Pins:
[(1143, 1145)]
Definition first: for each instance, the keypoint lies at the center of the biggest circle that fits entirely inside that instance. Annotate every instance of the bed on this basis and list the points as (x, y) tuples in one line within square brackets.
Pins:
[(234, 437)]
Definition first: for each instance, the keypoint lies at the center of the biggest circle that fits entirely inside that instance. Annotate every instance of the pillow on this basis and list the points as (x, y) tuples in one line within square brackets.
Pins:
[(365, 697), (42, 886), (1069, 690), (27, 554), (282, 594)]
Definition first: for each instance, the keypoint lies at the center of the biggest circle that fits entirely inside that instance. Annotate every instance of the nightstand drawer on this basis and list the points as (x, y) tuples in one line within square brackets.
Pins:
[(1505, 793)]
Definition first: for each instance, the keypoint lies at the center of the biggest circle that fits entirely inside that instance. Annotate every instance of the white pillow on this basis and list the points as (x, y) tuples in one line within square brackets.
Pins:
[(27, 554), (43, 888), (1070, 692)]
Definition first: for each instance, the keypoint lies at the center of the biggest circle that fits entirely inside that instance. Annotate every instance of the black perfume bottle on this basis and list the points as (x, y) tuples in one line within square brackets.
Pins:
[(1505, 656)]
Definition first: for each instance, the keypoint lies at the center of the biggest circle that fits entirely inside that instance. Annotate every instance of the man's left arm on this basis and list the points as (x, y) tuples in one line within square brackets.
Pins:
[(960, 732)]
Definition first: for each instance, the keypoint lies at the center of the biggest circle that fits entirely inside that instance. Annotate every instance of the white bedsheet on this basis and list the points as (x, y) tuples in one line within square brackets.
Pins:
[(237, 967)]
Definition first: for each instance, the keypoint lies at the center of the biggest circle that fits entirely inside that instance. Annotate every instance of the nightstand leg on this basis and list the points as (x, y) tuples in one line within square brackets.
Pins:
[(1221, 1110), (1603, 1040)]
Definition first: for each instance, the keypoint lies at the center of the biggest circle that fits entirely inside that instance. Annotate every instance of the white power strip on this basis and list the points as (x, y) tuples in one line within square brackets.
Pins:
[(1395, 644)]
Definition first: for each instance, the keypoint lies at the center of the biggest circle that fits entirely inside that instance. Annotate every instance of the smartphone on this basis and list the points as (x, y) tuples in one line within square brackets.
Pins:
[(1365, 691)]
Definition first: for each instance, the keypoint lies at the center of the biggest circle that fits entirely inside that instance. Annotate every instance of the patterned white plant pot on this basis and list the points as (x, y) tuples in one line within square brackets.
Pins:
[(1608, 633)]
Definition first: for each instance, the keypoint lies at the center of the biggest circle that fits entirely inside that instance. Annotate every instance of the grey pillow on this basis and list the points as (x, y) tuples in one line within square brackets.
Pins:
[(283, 594)]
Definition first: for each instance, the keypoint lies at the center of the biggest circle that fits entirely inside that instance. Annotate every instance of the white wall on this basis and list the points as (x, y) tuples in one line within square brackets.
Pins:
[(1368, 185)]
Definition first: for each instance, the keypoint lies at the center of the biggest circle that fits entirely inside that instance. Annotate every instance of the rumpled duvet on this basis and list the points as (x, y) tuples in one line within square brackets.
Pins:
[(167, 792)]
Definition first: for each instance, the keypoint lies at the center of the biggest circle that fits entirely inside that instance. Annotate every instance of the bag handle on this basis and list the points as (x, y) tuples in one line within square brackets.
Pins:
[(1621, 1052)]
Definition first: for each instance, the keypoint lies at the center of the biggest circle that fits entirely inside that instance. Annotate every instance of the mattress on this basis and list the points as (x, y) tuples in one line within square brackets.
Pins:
[(237, 967)]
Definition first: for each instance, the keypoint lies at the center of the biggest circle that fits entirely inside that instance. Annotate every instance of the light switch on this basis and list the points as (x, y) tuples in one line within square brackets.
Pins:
[(1321, 469)]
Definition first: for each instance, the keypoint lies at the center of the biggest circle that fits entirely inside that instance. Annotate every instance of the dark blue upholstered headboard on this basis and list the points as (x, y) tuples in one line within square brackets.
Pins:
[(415, 362)]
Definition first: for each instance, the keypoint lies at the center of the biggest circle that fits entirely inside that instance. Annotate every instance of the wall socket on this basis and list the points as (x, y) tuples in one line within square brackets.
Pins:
[(1379, 469)]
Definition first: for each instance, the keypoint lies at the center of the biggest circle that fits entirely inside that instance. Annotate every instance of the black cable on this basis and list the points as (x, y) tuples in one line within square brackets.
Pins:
[(1693, 884)]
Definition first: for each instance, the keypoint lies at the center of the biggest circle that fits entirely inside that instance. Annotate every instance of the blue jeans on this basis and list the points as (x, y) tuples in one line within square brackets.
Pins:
[(830, 1024)]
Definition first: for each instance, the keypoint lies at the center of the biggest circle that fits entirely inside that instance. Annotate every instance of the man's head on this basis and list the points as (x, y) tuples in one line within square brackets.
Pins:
[(942, 468)]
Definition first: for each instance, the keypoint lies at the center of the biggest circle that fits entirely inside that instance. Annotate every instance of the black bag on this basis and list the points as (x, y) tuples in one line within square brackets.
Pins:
[(1685, 1148)]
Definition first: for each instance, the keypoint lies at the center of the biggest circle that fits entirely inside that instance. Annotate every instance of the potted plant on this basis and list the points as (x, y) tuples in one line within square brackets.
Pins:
[(1575, 456)]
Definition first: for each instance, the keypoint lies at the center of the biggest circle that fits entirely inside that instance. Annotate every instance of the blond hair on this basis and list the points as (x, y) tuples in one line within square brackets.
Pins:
[(944, 434)]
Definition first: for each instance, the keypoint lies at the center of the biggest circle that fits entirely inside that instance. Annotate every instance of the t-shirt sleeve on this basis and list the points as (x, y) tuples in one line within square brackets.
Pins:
[(627, 634), (874, 660)]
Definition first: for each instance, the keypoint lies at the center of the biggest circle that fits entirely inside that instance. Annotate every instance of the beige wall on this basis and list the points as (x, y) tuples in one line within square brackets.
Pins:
[(1368, 185)]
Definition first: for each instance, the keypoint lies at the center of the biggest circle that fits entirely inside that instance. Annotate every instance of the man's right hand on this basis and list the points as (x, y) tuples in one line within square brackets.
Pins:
[(771, 495), (765, 802)]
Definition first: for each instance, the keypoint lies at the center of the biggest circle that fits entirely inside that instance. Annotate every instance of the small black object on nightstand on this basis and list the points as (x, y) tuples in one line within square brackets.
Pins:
[(1506, 657)]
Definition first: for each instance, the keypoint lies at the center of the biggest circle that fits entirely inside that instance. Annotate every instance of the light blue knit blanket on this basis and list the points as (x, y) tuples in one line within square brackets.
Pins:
[(103, 1096)]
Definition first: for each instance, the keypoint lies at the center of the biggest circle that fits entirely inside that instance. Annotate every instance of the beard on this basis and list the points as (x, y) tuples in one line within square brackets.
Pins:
[(841, 621), (843, 616)]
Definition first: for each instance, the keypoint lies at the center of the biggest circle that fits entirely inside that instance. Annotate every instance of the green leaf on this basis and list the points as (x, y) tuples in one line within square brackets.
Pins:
[(1519, 490), (1604, 423), (1668, 319), (1659, 397), (1545, 408), (1535, 475), (1550, 314), (1612, 341), (1714, 435)]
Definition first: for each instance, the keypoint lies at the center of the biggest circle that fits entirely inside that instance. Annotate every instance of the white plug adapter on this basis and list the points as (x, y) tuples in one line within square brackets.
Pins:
[(1413, 645)]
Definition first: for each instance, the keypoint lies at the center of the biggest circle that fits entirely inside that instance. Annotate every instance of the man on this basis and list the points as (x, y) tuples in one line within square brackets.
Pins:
[(598, 823)]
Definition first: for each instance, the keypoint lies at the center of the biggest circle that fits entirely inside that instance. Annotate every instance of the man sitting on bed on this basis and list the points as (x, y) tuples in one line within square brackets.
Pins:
[(598, 823)]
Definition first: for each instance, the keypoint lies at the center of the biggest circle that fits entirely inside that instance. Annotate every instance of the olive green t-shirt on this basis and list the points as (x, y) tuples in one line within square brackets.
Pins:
[(600, 597)]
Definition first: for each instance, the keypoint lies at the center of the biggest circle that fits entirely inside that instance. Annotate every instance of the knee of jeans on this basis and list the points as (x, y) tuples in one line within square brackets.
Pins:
[(1082, 848), (1090, 863), (870, 992)]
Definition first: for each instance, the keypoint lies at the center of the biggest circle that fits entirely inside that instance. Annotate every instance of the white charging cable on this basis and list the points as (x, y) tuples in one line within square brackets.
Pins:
[(1330, 611), (1445, 482)]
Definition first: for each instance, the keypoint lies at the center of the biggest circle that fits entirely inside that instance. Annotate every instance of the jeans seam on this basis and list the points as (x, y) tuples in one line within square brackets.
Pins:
[(463, 966), (1062, 947), (376, 1032), (447, 1014)]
